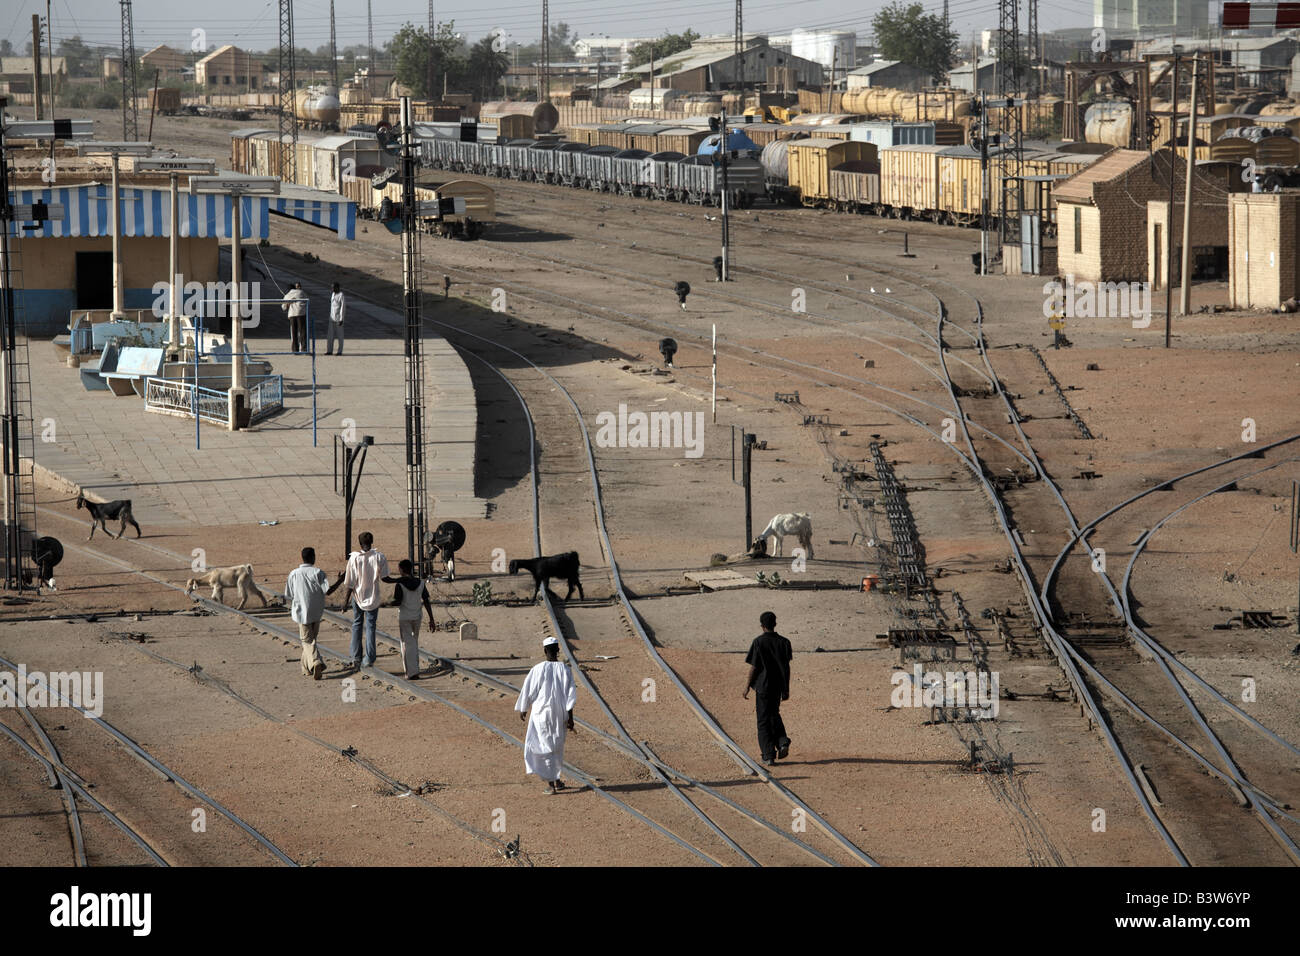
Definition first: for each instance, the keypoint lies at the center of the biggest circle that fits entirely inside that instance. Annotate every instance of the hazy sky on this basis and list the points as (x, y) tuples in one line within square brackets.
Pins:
[(255, 23)]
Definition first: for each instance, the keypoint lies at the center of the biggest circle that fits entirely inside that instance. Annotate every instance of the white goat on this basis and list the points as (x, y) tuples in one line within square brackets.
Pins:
[(799, 525)]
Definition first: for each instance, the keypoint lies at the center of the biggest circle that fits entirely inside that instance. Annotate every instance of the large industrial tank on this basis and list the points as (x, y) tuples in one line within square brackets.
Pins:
[(1110, 122), (646, 98), (776, 161), (836, 48), (318, 104), (736, 140)]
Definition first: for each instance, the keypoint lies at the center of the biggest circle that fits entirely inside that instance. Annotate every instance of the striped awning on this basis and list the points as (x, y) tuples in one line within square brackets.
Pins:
[(327, 210), (147, 212)]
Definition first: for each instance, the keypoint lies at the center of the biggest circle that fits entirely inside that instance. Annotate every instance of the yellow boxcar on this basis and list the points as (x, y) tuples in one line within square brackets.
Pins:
[(909, 178), (961, 186), (855, 186), (811, 160), (1278, 151)]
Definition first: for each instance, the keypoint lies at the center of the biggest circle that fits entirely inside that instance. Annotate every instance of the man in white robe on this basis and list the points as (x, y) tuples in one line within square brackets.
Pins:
[(548, 696)]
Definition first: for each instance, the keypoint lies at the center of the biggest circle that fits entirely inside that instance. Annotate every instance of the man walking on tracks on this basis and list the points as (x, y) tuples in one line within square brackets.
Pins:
[(769, 677), (546, 701), (305, 591), (367, 568), (295, 303)]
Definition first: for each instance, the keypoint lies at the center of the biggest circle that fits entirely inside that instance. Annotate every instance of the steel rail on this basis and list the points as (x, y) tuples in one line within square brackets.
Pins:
[(408, 686), (1158, 648), (60, 779), (488, 680), (58, 769), (558, 631), (647, 643), (1056, 641), (162, 769), (641, 752)]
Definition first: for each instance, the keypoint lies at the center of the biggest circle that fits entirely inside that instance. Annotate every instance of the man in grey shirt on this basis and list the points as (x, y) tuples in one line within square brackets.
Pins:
[(305, 591)]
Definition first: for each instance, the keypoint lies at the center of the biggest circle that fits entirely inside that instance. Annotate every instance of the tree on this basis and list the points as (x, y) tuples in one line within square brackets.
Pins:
[(6, 48), (908, 34), (562, 42), (82, 61), (666, 45), (485, 67)]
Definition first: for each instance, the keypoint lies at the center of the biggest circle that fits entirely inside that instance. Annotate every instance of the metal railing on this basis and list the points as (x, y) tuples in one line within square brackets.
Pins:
[(186, 399), (265, 395)]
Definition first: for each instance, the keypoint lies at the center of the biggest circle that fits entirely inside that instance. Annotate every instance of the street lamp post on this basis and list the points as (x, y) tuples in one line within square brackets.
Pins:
[(175, 168), (116, 150), (236, 187)]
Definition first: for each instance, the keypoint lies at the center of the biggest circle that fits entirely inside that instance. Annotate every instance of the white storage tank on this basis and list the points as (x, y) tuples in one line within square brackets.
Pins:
[(646, 98), (837, 48)]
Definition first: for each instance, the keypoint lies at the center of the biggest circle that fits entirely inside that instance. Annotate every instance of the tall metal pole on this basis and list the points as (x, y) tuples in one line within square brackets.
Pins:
[(544, 87), (334, 52), (119, 292), (288, 120), (130, 118), (49, 47), (416, 496), (174, 299), (36, 69), (740, 45), (726, 201), (1185, 299), (370, 45), (984, 182), (746, 456), (1169, 220), (12, 533)]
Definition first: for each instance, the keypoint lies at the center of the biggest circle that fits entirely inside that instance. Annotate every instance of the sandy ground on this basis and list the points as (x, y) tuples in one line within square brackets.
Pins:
[(589, 306)]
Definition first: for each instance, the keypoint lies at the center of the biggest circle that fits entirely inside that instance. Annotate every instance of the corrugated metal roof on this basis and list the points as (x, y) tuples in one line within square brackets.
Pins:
[(817, 143), (1110, 166)]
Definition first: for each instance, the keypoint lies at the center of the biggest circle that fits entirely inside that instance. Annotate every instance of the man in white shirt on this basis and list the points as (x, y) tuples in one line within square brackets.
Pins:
[(367, 569), (337, 307), (546, 701), (296, 305), (305, 591)]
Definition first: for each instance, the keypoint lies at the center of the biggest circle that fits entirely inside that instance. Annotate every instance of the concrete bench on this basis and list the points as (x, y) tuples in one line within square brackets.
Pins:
[(134, 365)]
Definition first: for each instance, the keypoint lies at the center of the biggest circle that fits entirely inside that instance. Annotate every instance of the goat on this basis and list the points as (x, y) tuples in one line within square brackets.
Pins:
[(240, 576), (552, 566), (111, 511), (799, 525)]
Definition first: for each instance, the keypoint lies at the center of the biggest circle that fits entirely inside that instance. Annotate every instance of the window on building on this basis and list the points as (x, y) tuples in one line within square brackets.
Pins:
[(1078, 229)]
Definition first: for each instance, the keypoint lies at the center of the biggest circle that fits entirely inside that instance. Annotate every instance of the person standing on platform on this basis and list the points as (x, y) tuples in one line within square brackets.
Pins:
[(769, 678), (546, 701), (296, 305), (337, 307)]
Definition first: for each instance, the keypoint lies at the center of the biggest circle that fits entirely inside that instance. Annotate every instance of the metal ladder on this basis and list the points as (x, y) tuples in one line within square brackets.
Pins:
[(16, 434)]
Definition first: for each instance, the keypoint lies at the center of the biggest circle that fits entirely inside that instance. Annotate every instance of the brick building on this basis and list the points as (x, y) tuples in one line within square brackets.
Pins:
[(170, 64), (1263, 268), (228, 67), (1106, 226)]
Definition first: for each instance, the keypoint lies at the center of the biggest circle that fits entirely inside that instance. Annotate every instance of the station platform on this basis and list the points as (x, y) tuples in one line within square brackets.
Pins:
[(114, 448)]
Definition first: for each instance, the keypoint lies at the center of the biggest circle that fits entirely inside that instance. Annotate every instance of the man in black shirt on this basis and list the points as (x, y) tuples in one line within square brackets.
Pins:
[(769, 678)]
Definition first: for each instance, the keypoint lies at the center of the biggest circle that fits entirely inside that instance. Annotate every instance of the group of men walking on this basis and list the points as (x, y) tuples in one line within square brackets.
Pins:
[(548, 695)]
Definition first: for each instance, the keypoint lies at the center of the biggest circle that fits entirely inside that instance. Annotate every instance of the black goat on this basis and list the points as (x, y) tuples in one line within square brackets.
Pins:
[(552, 566), (111, 511)]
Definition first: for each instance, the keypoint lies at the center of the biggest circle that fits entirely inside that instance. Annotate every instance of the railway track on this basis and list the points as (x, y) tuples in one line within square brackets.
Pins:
[(74, 787), (1065, 651)]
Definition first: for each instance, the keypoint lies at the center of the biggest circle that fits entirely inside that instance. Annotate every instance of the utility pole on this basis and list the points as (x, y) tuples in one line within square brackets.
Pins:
[(1169, 220), (544, 85), (36, 66), (984, 183), (370, 45), (416, 493), (740, 46), (1032, 48), (288, 124), (726, 200), (130, 118), (49, 47), (1185, 299), (334, 51)]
